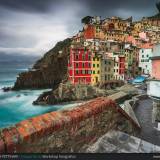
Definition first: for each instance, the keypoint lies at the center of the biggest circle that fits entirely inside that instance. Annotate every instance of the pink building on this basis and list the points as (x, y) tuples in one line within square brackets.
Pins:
[(156, 62), (156, 67)]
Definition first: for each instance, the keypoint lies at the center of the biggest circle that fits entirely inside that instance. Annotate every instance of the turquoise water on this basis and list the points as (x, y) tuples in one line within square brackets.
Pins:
[(17, 106)]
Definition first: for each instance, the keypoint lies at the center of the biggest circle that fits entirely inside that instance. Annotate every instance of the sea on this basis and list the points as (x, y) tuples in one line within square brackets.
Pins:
[(16, 106)]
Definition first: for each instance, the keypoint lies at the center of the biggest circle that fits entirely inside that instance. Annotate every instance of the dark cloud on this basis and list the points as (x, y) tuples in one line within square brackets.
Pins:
[(94, 6), (33, 26), (137, 8), (28, 5)]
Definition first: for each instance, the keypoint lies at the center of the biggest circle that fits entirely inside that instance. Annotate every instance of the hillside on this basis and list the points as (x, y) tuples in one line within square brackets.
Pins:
[(47, 72)]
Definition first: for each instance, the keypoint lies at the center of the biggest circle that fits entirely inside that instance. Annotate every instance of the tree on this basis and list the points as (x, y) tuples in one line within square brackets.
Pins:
[(86, 20)]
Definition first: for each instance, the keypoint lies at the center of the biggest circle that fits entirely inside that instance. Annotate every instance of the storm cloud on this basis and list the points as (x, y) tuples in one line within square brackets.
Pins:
[(34, 26)]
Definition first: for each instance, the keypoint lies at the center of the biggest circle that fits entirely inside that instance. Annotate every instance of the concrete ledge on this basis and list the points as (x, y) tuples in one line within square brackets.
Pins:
[(128, 109)]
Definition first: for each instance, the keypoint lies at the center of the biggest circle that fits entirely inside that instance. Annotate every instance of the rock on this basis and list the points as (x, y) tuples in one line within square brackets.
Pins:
[(7, 89), (49, 71), (67, 92)]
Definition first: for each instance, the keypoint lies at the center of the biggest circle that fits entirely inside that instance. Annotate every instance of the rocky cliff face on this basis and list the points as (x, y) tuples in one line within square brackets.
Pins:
[(47, 72), (67, 92)]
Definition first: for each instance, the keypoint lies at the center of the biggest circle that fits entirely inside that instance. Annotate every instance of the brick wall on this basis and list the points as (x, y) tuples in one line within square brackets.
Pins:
[(66, 131)]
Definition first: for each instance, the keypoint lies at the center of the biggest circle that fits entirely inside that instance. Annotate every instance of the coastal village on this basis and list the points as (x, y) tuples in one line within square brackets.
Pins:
[(114, 49), (112, 68)]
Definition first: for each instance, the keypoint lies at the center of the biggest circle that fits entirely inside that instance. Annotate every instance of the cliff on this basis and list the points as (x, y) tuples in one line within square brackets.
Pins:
[(47, 72)]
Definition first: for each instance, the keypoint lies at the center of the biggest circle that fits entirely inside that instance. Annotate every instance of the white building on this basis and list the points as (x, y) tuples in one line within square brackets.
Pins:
[(153, 88), (145, 62)]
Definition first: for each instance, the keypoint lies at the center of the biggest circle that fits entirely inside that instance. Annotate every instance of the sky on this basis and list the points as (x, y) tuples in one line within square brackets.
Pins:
[(32, 27)]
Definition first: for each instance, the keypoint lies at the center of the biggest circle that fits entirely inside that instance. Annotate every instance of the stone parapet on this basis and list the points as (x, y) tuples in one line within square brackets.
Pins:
[(66, 131)]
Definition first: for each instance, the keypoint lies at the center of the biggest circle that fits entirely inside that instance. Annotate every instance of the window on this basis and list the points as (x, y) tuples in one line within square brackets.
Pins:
[(89, 72), (142, 56), (76, 65), (105, 77), (93, 72), (89, 57), (77, 57), (83, 71), (97, 65), (83, 57), (98, 72), (83, 65), (89, 65), (147, 55), (93, 65), (77, 72), (93, 59)]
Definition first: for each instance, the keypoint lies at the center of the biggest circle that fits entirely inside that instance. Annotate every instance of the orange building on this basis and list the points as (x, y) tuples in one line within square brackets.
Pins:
[(89, 31)]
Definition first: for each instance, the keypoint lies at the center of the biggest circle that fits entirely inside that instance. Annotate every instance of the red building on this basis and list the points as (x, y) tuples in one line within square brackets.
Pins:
[(89, 32), (121, 65), (79, 66)]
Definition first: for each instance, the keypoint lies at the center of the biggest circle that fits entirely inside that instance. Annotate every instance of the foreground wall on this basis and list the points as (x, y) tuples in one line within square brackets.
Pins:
[(66, 131)]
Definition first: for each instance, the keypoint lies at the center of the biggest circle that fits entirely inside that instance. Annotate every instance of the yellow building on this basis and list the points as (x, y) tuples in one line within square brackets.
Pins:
[(96, 69)]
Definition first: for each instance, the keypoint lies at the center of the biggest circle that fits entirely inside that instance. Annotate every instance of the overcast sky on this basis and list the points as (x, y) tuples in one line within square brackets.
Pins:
[(34, 26)]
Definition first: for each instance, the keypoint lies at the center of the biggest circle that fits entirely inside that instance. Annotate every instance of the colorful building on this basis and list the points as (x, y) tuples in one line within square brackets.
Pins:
[(96, 69), (156, 67), (156, 62), (119, 65), (113, 49), (107, 68), (145, 54), (89, 31), (79, 66)]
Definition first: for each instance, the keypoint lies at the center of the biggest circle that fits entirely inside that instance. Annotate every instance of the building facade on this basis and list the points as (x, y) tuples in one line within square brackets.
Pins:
[(145, 63), (156, 67), (96, 70), (79, 66), (107, 68)]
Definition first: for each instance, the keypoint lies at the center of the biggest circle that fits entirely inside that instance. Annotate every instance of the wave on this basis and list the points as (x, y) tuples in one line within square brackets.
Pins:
[(22, 69), (7, 80), (16, 106)]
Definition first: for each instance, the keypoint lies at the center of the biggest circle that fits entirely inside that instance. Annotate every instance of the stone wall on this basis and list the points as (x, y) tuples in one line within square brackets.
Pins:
[(66, 131)]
